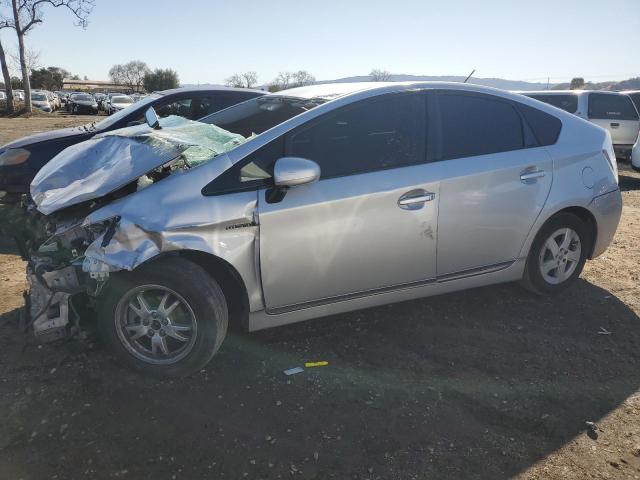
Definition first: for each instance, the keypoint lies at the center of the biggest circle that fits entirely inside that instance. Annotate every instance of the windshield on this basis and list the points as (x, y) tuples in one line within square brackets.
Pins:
[(110, 121), (82, 98), (121, 100), (39, 97), (259, 114)]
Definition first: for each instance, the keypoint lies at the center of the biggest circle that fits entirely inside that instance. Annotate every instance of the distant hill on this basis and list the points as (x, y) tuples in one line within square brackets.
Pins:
[(630, 84), (488, 82)]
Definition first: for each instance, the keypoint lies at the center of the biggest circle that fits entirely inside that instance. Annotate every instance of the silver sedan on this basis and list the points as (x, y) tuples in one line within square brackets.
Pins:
[(315, 201)]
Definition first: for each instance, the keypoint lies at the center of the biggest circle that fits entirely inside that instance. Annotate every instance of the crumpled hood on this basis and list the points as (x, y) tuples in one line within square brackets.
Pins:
[(45, 136), (109, 161)]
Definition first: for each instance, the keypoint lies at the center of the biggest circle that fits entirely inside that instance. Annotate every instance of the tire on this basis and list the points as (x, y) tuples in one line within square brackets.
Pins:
[(201, 305), (569, 260)]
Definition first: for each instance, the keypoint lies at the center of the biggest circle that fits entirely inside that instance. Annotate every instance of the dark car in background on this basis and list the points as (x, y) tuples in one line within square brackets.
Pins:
[(83, 103), (20, 160)]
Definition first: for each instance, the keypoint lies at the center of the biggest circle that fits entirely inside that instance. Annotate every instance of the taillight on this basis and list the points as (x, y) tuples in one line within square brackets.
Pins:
[(610, 155)]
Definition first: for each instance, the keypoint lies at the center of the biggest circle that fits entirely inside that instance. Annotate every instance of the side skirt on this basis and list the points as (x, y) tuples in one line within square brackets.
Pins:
[(501, 273)]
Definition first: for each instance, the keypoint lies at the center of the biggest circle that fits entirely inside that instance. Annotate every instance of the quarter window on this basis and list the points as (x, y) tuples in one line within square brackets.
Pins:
[(373, 135), (478, 125), (546, 128), (611, 107)]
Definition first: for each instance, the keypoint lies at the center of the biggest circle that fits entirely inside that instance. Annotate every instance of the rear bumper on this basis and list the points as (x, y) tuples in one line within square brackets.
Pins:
[(607, 210)]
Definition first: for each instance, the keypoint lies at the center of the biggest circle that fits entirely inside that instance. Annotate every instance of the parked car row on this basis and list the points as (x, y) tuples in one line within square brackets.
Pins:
[(299, 204), (20, 160)]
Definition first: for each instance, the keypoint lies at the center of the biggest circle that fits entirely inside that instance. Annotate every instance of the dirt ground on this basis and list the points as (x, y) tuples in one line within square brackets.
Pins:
[(489, 383)]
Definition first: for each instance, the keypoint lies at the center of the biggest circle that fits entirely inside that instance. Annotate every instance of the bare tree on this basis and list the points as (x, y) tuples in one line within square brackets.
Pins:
[(302, 77), (378, 75), (32, 58), (29, 13), (282, 81), (130, 74), (286, 80), (243, 80), (5, 70)]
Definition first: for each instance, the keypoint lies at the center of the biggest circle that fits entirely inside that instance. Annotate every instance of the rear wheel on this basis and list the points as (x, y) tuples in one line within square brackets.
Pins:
[(167, 318), (557, 255)]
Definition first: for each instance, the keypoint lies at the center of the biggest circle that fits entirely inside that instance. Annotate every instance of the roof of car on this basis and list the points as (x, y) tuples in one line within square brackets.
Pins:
[(334, 90), (208, 88), (564, 92)]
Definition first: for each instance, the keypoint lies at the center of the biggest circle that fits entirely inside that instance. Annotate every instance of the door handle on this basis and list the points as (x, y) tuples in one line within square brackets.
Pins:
[(529, 176), (615, 125), (415, 199)]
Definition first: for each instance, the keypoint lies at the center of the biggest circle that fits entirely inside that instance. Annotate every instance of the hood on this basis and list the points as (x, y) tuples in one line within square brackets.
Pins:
[(46, 136), (121, 105), (85, 102), (109, 161)]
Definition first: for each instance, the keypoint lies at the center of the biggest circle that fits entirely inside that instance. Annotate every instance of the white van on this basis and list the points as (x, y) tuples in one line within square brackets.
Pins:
[(613, 111)]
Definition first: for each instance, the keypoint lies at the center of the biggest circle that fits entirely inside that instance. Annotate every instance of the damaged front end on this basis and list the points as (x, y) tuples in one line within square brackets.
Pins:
[(60, 239), (58, 287)]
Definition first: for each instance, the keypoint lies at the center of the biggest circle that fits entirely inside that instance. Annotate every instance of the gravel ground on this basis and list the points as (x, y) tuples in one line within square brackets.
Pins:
[(489, 383)]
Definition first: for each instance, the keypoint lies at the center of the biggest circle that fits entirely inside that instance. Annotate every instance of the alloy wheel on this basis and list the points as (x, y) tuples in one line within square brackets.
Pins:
[(155, 324), (560, 255)]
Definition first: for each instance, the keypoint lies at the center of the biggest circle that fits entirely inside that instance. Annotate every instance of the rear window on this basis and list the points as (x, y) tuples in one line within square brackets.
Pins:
[(636, 99), (546, 128), (611, 107), (568, 103), (478, 125)]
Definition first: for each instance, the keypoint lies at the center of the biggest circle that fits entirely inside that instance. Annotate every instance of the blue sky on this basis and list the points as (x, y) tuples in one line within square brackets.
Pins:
[(207, 41)]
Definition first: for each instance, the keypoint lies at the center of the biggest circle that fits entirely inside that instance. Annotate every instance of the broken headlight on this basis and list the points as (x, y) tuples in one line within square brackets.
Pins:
[(14, 156)]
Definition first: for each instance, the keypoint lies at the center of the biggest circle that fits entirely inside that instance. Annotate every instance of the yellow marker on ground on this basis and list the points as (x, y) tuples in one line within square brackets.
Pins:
[(316, 364)]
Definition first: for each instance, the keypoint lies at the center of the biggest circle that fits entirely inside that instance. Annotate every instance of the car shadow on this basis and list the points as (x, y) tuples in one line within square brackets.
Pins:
[(628, 181), (476, 384)]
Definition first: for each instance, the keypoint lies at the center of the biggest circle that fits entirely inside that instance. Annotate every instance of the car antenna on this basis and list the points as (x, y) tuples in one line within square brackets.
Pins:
[(472, 72)]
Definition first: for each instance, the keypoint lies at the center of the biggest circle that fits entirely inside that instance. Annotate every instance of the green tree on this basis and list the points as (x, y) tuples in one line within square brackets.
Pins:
[(16, 83), (161, 79), (577, 83), (49, 78)]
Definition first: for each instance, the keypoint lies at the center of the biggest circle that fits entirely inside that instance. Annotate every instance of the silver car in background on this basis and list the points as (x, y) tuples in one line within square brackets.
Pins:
[(613, 111), (311, 202)]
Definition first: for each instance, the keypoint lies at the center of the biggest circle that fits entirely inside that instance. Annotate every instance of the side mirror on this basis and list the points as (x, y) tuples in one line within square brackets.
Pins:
[(151, 118), (294, 171)]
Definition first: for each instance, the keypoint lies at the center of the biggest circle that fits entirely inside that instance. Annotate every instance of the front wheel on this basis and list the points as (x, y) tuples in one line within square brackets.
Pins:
[(167, 318), (557, 255)]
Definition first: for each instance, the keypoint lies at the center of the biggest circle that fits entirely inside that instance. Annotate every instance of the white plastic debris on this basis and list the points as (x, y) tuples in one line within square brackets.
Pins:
[(293, 371)]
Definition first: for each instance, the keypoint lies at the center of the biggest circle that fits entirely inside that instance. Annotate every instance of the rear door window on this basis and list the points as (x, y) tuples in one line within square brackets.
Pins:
[(387, 132), (611, 107), (475, 124), (568, 103)]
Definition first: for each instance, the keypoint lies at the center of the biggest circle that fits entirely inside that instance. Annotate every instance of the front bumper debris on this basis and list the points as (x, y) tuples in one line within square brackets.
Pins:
[(49, 303)]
